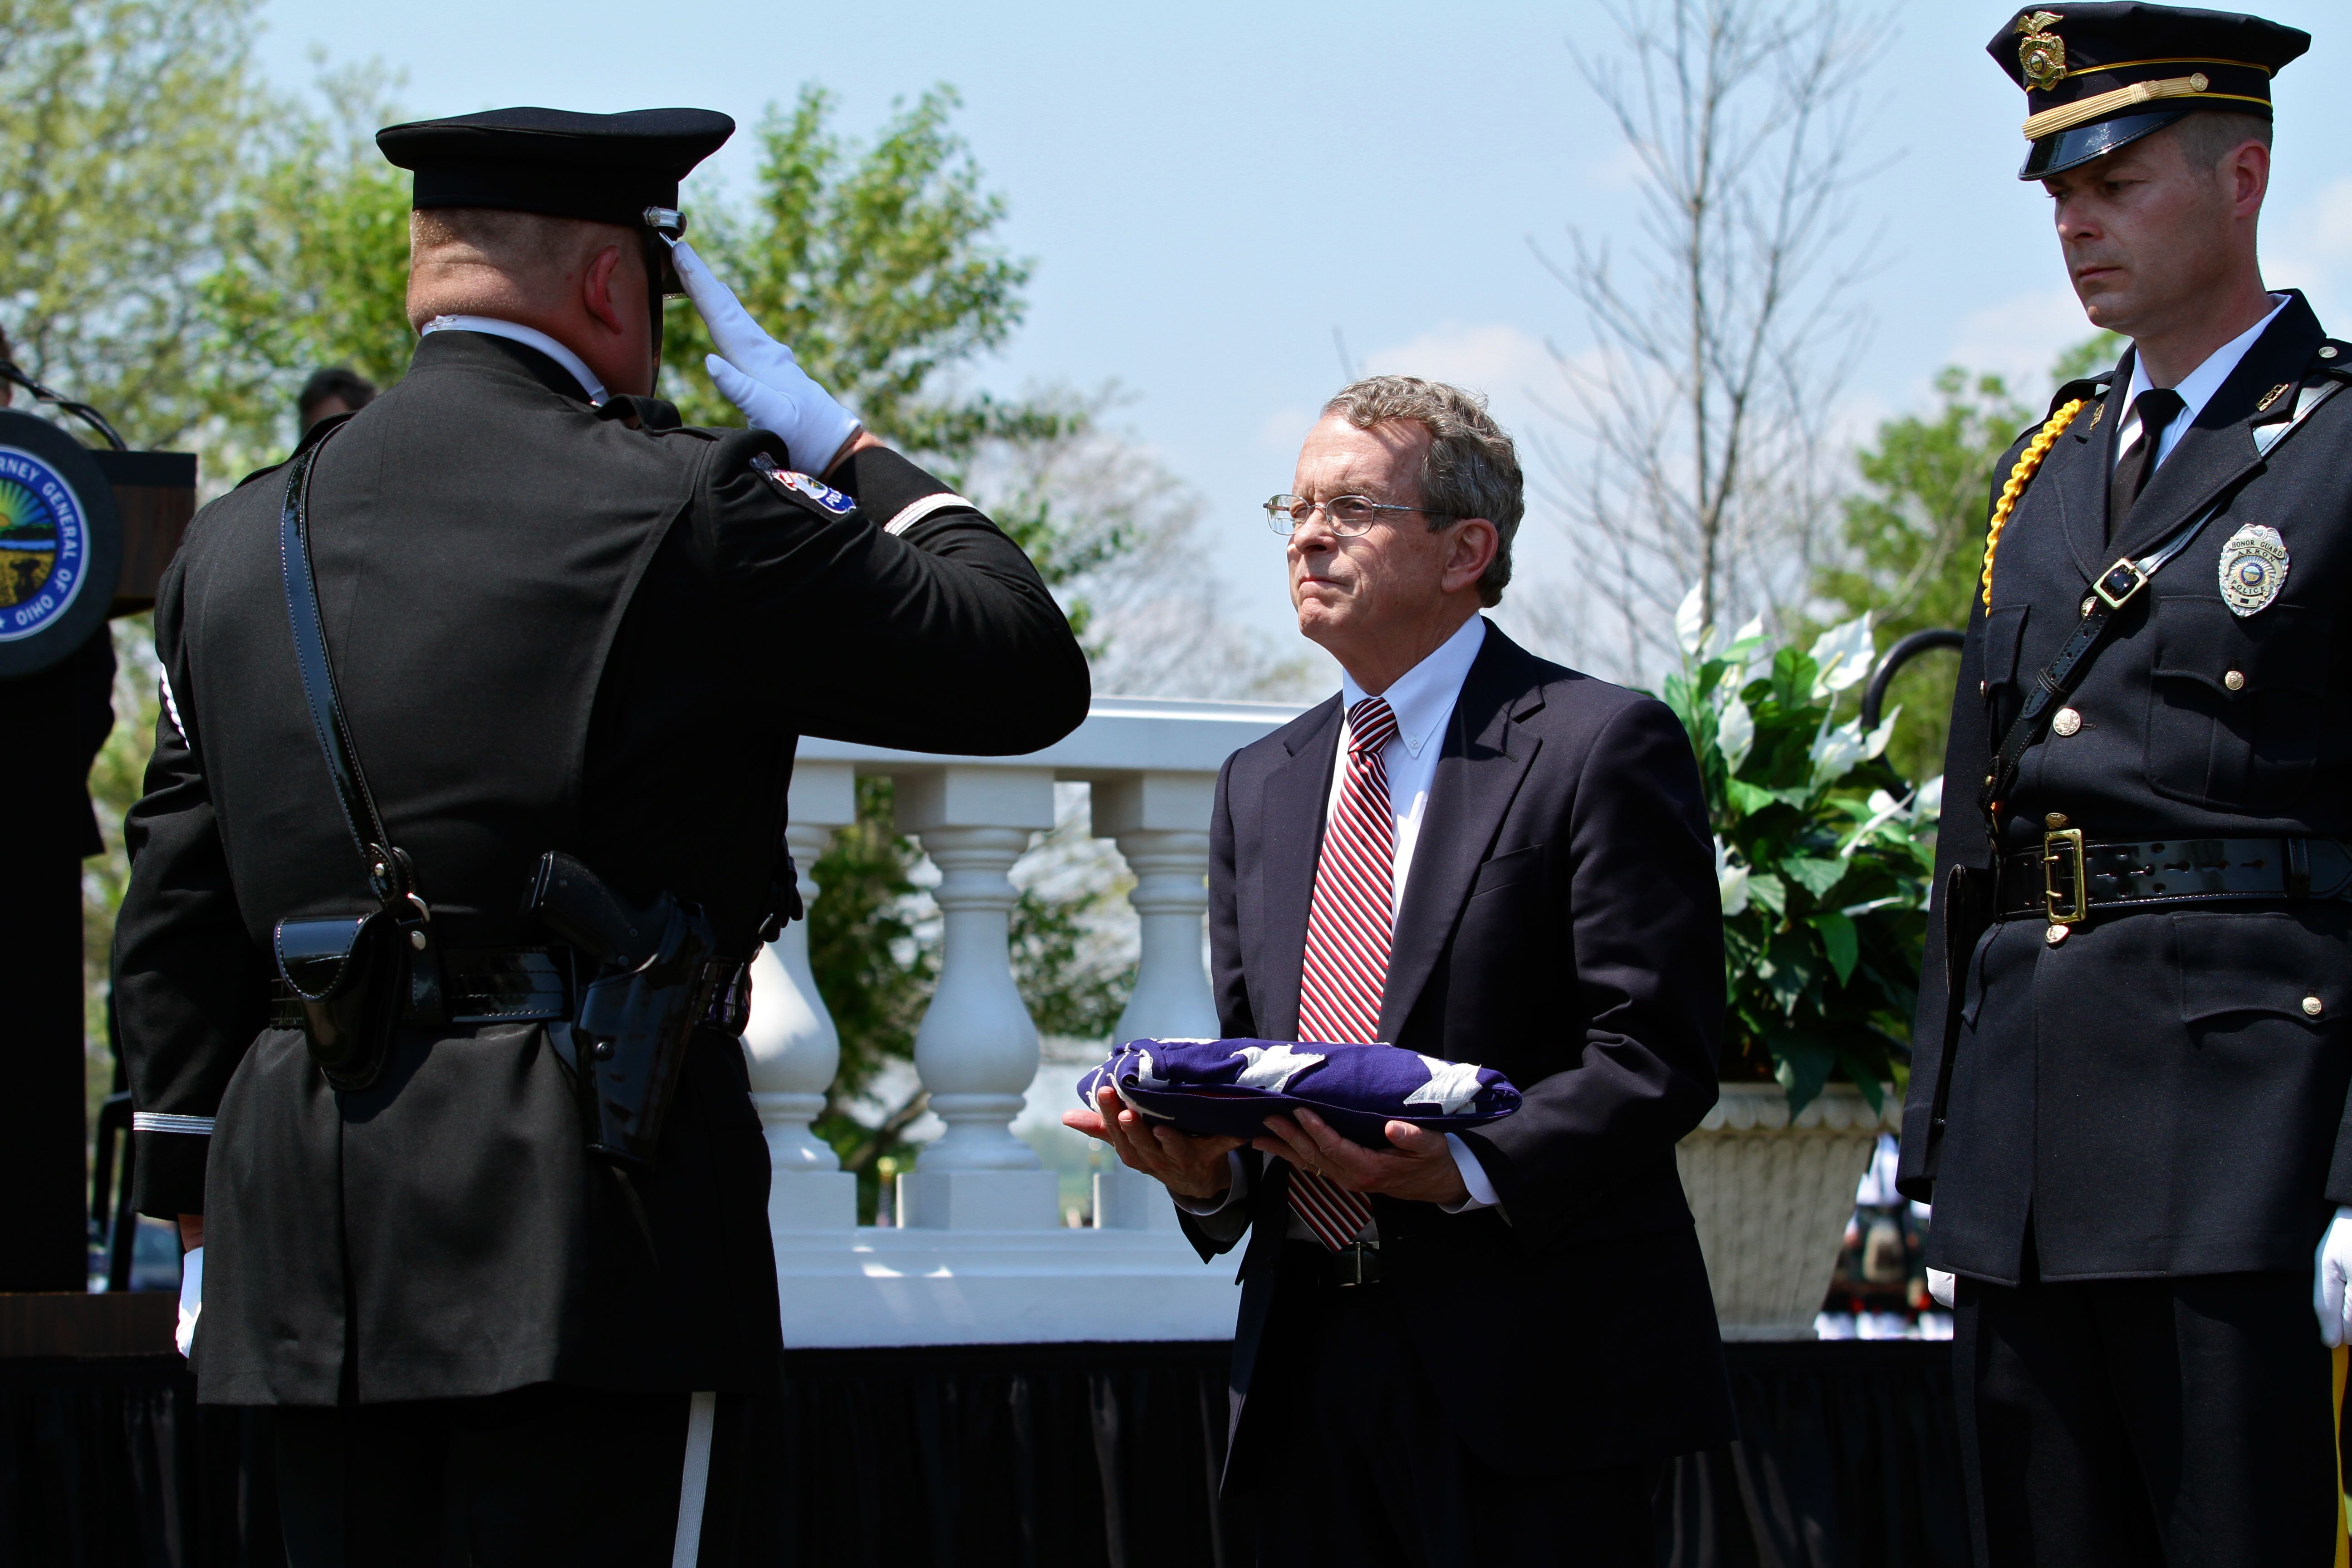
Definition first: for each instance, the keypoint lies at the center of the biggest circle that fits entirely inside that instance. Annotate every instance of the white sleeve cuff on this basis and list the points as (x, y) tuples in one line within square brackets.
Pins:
[(164, 1121), (914, 511), (1474, 1177), (1236, 1189)]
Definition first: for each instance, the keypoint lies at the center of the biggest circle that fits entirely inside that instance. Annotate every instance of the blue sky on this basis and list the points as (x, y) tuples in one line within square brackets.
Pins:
[(1209, 191)]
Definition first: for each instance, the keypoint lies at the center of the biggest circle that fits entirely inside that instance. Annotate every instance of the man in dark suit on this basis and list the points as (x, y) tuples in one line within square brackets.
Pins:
[(558, 622), (2127, 1096), (1470, 1348)]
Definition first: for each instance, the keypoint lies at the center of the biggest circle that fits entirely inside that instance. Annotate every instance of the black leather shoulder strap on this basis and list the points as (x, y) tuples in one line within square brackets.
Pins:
[(388, 870), (2114, 588)]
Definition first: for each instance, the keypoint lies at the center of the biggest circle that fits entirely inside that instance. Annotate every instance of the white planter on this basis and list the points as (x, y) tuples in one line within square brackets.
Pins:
[(1772, 1200)]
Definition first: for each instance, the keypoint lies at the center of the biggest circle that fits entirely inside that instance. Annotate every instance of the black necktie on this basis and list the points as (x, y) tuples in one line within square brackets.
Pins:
[(2156, 409)]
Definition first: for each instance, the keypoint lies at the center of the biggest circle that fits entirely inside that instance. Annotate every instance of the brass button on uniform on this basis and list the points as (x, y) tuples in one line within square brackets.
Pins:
[(2066, 722), (2327, 353), (2235, 681), (2054, 935), (2313, 1007), (2055, 822)]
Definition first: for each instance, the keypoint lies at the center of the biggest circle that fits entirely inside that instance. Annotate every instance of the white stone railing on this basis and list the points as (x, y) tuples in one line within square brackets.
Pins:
[(979, 1254)]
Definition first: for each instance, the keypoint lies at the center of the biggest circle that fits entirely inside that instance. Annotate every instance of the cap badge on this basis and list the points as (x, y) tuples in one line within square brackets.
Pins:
[(2254, 569), (2043, 53)]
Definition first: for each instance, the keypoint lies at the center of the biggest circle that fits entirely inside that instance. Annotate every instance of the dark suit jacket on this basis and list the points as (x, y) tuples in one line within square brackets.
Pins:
[(1561, 924), (2153, 1093), (554, 627)]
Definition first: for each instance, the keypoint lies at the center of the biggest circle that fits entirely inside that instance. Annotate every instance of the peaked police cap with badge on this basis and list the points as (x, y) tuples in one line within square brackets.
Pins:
[(2099, 77)]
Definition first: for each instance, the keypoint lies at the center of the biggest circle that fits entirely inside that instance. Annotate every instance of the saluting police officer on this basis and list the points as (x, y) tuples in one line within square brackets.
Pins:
[(2127, 1099), (552, 620)]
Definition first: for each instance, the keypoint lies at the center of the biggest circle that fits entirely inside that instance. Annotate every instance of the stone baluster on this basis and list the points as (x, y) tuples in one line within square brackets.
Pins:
[(976, 1048), (791, 1044), (1160, 822)]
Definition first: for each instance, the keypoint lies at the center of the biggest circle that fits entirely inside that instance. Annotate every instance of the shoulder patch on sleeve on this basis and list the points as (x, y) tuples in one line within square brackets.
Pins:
[(793, 483)]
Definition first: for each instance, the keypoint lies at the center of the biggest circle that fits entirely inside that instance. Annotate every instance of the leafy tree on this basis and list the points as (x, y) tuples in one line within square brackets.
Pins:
[(124, 126), (314, 272), (1916, 529), (876, 263)]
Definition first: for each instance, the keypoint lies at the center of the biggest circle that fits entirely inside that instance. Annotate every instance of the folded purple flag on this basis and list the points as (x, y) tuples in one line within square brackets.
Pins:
[(1230, 1086)]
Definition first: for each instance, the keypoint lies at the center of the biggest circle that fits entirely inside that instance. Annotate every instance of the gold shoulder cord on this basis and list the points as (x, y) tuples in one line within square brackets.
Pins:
[(2019, 476)]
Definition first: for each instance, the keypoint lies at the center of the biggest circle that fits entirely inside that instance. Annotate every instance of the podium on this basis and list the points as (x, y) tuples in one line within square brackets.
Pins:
[(85, 536)]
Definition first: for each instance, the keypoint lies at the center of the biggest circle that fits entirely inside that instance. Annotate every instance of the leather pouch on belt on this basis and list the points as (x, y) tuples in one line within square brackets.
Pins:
[(348, 973)]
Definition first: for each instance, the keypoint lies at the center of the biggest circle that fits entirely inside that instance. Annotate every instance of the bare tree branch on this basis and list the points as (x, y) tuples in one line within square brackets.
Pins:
[(1698, 423)]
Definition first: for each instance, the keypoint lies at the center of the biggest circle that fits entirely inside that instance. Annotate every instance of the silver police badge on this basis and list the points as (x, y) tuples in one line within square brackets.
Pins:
[(2254, 568)]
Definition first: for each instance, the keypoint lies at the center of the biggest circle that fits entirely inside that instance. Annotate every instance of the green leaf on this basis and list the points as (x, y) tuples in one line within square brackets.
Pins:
[(1789, 971), (1839, 937), (1865, 1078), (1815, 874), (1765, 889), (1803, 1067)]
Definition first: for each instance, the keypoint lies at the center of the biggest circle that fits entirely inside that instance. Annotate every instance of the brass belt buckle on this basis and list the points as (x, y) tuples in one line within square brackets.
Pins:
[(2064, 848)]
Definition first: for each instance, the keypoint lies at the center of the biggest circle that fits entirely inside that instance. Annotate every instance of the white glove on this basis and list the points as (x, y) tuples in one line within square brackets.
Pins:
[(1940, 1285), (2331, 1266), (758, 376), (192, 1298)]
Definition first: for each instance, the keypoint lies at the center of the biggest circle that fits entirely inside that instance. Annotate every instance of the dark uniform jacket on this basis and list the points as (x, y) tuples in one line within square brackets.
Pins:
[(2152, 1095), (554, 627), (1561, 925)]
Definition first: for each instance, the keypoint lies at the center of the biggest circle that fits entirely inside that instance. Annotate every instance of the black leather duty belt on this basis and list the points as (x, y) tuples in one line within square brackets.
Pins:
[(481, 986), (2066, 878)]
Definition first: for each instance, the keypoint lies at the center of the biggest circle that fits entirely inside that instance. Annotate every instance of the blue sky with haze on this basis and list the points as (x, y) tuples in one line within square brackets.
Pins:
[(1208, 190)]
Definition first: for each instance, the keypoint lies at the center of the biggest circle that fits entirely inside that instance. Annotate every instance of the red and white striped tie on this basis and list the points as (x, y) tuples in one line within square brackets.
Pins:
[(1348, 929)]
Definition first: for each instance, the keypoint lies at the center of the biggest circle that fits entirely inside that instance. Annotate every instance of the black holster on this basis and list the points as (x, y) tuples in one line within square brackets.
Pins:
[(657, 980), (633, 1028)]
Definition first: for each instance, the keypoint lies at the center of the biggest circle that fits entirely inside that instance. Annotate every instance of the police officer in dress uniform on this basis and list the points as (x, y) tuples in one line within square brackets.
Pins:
[(555, 620), (2128, 1100)]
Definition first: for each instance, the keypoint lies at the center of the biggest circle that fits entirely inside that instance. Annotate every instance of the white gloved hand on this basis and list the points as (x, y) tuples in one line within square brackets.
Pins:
[(2331, 1266), (1941, 1285), (758, 376), (192, 1298)]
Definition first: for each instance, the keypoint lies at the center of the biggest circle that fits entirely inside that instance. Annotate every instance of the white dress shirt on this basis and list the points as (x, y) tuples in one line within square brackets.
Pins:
[(1422, 699), (2195, 389), (529, 337)]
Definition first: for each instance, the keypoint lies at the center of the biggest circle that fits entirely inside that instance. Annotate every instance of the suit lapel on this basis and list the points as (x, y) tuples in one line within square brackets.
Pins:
[(2219, 449), (1485, 758), (1291, 812)]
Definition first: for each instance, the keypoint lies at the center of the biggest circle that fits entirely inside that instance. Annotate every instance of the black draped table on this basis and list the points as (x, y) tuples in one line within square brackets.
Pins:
[(1061, 1455)]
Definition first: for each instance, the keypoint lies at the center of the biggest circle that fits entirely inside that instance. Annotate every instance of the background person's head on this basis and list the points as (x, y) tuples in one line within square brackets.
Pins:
[(330, 392), (582, 283), (1437, 498)]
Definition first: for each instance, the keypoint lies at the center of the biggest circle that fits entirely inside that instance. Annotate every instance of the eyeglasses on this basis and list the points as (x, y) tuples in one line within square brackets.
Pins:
[(1348, 517)]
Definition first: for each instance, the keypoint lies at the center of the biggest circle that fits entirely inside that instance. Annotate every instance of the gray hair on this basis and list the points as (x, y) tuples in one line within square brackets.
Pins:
[(1472, 469)]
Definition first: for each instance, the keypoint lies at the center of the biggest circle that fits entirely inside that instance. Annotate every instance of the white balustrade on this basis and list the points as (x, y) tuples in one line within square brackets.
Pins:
[(977, 1256), (976, 1048), (1159, 822), (792, 1047)]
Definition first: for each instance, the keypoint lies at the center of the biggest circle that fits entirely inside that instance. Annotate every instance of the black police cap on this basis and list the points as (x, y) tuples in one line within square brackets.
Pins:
[(2097, 77), (606, 168)]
